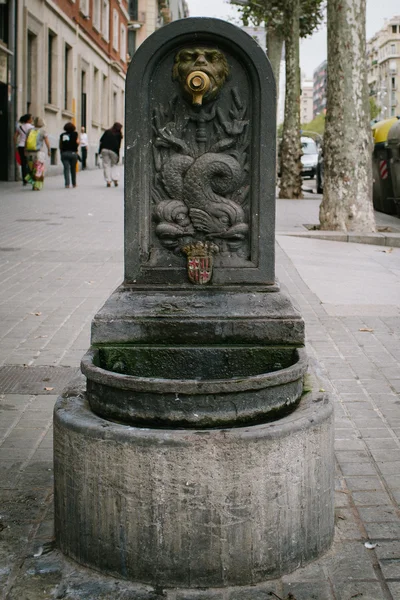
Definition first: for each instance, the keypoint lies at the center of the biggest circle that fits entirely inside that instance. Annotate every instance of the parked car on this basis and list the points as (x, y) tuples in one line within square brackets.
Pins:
[(309, 159)]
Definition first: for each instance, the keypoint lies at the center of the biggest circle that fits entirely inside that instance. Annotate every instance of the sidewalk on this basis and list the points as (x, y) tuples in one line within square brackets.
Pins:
[(61, 255)]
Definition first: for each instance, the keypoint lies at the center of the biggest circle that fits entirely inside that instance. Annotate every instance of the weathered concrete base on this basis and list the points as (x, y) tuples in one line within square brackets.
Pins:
[(193, 508)]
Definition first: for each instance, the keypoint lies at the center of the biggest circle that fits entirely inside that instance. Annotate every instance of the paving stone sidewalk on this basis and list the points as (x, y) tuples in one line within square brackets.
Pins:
[(61, 256)]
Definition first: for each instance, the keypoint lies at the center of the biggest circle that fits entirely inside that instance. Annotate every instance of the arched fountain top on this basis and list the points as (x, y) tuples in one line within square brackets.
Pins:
[(200, 171)]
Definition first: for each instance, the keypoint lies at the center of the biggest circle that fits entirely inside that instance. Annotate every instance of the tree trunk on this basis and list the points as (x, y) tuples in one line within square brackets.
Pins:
[(274, 52), (347, 200), (291, 181)]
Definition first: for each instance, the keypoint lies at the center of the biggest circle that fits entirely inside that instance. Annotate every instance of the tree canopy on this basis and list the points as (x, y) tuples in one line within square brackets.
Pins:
[(276, 14)]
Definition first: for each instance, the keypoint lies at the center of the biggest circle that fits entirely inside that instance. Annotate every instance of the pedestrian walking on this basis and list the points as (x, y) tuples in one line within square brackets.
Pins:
[(110, 143), (69, 143), (24, 125), (35, 140), (84, 147)]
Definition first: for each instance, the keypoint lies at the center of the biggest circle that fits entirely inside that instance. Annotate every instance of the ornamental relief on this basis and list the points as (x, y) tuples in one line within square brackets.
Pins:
[(200, 151)]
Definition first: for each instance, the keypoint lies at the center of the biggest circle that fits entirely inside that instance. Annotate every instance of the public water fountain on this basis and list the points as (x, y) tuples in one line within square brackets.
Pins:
[(195, 457)]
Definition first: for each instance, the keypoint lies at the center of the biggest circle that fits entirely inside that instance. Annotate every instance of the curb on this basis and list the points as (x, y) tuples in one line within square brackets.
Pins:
[(377, 239)]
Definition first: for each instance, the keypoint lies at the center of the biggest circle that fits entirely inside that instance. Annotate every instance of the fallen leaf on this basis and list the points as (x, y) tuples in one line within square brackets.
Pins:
[(388, 251), (321, 389), (366, 329), (37, 314), (48, 389)]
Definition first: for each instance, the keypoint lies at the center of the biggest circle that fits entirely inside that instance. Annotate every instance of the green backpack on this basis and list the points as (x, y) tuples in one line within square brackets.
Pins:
[(32, 140)]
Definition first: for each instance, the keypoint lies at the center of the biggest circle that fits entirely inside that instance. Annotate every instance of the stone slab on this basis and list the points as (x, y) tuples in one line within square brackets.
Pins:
[(198, 317)]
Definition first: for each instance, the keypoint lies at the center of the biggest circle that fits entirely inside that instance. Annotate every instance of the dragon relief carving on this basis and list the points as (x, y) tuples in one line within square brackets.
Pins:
[(201, 188)]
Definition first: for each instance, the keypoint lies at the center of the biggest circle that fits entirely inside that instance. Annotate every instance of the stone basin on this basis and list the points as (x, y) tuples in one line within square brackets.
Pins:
[(199, 386)]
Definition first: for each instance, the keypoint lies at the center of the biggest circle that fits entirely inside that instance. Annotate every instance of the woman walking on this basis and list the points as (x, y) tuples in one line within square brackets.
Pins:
[(84, 142), (23, 127), (110, 143), (35, 155), (69, 143)]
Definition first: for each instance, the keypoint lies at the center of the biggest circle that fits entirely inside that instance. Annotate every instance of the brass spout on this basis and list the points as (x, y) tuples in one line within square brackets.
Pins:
[(198, 83)]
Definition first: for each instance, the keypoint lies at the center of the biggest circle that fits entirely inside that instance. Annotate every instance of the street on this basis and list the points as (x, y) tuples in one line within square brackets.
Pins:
[(61, 255)]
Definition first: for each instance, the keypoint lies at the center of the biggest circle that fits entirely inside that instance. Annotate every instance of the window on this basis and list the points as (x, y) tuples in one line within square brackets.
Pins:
[(105, 24), (50, 67), (133, 10), (4, 22), (131, 42), (67, 74), (95, 96), (104, 96), (394, 28), (97, 14), (392, 48), (31, 66), (83, 99), (84, 7), (115, 29), (115, 107), (123, 43)]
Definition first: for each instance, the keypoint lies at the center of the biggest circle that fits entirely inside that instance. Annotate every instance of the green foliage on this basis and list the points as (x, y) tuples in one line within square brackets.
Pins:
[(275, 14), (317, 125), (373, 108)]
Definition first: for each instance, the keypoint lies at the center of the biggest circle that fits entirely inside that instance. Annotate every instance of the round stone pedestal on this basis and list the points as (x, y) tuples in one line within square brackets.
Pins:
[(194, 508)]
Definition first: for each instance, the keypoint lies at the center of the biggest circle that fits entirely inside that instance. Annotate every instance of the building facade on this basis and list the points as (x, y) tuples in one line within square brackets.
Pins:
[(383, 52), (145, 16), (306, 101), (319, 92), (66, 60)]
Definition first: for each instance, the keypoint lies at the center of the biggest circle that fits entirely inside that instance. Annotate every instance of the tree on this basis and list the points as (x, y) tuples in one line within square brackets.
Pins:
[(317, 125), (268, 12), (288, 20), (347, 200), (374, 109), (301, 17), (291, 182)]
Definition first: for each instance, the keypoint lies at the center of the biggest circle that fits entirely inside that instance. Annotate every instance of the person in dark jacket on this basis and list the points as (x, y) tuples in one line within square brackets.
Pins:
[(110, 143), (69, 143)]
